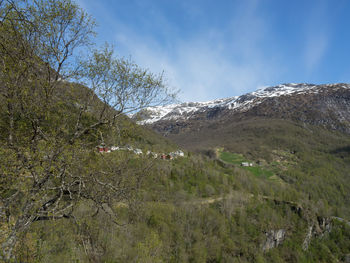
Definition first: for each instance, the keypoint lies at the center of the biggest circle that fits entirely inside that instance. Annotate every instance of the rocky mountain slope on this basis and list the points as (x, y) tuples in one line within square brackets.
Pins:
[(327, 106)]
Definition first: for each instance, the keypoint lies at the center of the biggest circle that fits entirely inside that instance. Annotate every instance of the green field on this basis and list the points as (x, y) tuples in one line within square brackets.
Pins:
[(232, 158), (259, 172), (237, 159)]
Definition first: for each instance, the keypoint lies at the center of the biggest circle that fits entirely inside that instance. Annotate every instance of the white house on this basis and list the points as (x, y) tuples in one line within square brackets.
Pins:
[(179, 153), (138, 151)]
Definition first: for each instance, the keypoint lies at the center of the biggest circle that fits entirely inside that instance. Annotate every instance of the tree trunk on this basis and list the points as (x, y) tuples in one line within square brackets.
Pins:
[(21, 225), (8, 245), (11, 123)]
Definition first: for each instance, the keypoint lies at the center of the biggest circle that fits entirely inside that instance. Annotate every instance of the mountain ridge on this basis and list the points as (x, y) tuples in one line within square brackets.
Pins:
[(244, 102), (326, 105)]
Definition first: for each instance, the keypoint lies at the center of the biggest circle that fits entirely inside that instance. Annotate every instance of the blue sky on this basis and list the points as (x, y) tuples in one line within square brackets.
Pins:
[(221, 48)]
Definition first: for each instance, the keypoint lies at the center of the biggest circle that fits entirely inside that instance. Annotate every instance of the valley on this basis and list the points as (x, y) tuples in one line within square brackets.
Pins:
[(99, 162)]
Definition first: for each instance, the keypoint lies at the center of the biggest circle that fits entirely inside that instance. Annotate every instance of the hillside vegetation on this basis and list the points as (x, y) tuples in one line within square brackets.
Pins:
[(198, 210), (62, 201)]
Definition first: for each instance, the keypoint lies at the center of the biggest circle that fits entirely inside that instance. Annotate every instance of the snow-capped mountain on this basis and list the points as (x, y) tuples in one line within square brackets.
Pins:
[(189, 110), (273, 112)]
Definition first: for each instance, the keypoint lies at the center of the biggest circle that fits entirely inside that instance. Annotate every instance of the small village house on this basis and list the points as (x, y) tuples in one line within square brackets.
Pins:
[(103, 149), (114, 148), (179, 153), (138, 151)]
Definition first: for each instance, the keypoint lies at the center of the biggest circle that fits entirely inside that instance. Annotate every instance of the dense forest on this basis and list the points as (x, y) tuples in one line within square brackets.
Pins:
[(62, 201)]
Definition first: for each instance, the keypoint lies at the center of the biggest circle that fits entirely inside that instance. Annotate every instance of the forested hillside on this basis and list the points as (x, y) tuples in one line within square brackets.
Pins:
[(63, 201)]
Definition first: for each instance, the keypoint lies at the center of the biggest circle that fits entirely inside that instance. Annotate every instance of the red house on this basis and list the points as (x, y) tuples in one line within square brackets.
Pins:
[(103, 149), (166, 157)]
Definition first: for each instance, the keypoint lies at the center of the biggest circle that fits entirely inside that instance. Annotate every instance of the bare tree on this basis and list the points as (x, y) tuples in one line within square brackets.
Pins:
[(121, 85)]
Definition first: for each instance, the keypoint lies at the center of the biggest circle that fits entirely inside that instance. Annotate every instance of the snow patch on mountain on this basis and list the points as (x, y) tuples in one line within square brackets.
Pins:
[(185, 110)]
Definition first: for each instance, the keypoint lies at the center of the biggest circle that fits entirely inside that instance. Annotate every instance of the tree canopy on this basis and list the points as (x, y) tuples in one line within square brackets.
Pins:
[(54, 105)]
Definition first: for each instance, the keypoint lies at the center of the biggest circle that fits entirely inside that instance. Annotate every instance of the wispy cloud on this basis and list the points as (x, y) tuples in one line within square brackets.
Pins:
[(216, 63), (317, 36), (315, 49), (201, 71), (225, 48)]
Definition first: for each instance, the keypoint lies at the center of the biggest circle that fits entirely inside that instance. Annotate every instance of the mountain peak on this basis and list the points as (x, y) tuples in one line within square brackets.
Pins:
[(186, 110)]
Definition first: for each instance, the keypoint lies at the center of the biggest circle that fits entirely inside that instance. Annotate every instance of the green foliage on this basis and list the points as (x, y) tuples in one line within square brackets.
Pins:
[(232, 157), (258, 171), (175, 223), (64, 202), (332, 246)]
